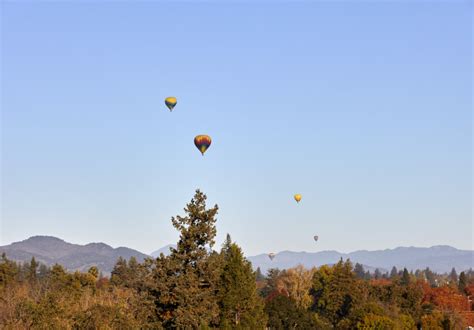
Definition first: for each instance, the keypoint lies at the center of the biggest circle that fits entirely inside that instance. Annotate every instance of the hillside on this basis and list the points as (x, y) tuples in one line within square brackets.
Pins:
[(50, 250)]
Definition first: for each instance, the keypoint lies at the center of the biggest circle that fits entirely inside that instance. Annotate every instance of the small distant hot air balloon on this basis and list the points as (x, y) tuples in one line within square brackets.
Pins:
[(271, 256), (316, 237), (171, 102), (202, 142), (297, 198)]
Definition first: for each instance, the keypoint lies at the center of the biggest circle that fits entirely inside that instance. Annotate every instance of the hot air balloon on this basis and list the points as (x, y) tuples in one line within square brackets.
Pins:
[(271, 256), (171, 102), (316, 237), (297, 198), (202, 142)]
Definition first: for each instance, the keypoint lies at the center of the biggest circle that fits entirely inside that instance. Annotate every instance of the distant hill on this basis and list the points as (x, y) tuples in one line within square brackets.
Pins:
[(50, 250), (439, 258), (165, 250)]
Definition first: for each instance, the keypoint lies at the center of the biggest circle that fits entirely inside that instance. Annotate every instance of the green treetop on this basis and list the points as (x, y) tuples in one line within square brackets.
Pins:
[(238, 298), (185, 282)]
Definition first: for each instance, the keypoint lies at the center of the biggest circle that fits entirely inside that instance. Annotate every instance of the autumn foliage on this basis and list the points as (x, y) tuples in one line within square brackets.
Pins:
[(196, 287)]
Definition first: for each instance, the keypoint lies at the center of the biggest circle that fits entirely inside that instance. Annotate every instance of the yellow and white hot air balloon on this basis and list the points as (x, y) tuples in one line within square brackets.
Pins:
[(297, 198)]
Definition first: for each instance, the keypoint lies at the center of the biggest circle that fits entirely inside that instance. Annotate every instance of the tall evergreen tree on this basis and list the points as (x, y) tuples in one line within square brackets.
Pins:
[(59, 278), (33, 270), (359, 271), (408, 296), (462, 282), (185, 282), (227, 243), (430, 276), (367, 276), (8, 271), (120, 273), (239, 302), (394, 273), (453, 276), (405, 280), (337, 293), (43, 271)]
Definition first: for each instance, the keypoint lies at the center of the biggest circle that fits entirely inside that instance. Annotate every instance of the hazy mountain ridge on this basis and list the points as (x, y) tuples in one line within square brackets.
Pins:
[(50, 250), (165, 250), (439, 258)]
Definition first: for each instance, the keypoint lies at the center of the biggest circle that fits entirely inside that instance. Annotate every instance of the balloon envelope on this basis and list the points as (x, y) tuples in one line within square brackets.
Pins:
[(202, 142), (171, 102), (271, 256), (316, 237), (297, 198)]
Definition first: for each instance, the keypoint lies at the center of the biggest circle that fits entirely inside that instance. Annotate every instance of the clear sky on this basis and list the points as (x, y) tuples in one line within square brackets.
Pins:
[(364, 108)]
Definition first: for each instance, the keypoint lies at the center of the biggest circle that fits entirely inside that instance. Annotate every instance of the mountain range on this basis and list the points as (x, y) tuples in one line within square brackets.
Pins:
[(50, 250), (440, 258)]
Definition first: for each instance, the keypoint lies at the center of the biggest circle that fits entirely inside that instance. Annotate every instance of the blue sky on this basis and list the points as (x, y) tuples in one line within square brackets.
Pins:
[(363, 108)]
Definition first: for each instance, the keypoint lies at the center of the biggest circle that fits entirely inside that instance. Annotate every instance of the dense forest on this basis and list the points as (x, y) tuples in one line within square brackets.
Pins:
[(196, 287)]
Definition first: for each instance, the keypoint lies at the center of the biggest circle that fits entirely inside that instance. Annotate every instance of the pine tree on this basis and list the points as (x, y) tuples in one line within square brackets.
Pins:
[(405, 280), (59, 278), (43, 271), (120, 272), (337, 292), (32, 270), (359, 271), (185, 282), (227, 243), (462, 282), (367, 275), (453, 276), (8, 271), (430, 276), (394, 273), (408, 296), (136, 273), (239, 302)]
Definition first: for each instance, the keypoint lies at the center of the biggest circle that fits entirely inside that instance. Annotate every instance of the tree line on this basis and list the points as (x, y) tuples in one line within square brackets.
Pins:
[(196, 287)]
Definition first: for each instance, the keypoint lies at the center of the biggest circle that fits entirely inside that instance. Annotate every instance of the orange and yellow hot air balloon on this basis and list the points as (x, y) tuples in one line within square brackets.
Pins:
[(202, 142), (171, 102), (297, 198)]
